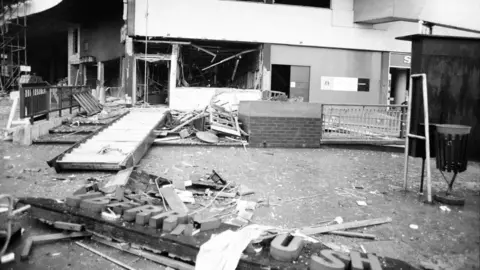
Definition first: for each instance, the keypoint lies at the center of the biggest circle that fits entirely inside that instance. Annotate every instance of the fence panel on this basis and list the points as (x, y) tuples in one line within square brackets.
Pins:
[(363, 123), (42, 100)]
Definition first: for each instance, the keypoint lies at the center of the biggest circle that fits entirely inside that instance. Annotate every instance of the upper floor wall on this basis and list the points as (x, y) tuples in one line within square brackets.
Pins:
[(265, 23), (461, 14)]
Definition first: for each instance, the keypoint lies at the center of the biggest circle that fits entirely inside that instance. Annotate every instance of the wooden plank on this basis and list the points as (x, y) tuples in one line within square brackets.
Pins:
[(354, 234), (173, 200), (68, 226), (53, 162), (345, 226)]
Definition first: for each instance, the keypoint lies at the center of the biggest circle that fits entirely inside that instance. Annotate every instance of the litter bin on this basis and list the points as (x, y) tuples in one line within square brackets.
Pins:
[(451, 147)]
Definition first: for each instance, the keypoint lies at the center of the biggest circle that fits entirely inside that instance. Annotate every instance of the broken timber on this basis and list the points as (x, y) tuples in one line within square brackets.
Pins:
[(88, 102), (186, 247), (117, 146)]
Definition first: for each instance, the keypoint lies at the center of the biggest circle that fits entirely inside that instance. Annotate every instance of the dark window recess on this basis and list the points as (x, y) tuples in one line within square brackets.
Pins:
[(363, 85), (306, 3), (75, 41)]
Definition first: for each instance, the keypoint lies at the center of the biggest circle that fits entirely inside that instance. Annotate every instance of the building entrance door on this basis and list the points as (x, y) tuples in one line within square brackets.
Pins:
[(294, 81)]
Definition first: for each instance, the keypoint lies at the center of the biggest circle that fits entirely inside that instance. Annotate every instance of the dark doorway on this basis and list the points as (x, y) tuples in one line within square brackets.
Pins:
[(281, 79), (294, 81)]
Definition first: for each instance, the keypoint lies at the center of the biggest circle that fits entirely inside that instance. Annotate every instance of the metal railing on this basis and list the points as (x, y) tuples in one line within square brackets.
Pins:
[(363, 123), (38, 101)]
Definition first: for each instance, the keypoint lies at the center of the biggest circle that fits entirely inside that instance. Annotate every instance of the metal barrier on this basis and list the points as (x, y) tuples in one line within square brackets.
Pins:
[(38, 101), (363, 123)]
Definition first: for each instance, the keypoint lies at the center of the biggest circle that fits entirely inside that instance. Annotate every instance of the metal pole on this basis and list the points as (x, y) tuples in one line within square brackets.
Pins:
[(407, 140), (145, 94), (427, 137)]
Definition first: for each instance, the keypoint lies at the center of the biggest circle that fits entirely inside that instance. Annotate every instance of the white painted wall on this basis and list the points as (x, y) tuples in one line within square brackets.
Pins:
[(458, 13), (264, 23)]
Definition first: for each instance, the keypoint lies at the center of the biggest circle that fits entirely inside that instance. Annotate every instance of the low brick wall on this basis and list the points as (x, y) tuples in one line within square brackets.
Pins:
[(281, 124)]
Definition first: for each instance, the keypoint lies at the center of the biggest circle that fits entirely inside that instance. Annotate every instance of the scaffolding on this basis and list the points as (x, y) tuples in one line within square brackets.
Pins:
[(13, 43)]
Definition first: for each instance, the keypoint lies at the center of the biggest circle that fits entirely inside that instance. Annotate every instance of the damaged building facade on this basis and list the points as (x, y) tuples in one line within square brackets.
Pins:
[(324, 51)]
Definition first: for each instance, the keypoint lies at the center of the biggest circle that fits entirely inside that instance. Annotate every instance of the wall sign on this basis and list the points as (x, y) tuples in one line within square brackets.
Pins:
[(345, 84), (401, 60)]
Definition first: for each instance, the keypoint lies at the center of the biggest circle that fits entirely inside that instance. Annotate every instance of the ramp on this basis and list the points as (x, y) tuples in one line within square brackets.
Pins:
[(117, 146)]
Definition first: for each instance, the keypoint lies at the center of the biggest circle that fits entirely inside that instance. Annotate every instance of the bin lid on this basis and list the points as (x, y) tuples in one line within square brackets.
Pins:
[(453, 129)]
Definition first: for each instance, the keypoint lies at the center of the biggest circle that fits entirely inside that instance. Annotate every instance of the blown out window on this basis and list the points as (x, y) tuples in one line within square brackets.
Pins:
[(306, 3)]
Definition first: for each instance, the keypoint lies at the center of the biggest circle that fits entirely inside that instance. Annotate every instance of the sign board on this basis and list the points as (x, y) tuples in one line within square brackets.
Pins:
[(25, 68), (344, 84), (400, 60)]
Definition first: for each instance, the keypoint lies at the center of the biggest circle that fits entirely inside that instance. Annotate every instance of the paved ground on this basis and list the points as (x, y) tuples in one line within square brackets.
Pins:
[(450, 239)]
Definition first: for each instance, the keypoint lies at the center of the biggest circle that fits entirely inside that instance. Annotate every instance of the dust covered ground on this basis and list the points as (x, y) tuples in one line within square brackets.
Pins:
[(303, 187)]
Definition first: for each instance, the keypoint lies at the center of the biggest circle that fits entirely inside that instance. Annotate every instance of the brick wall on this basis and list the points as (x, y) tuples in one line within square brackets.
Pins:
[(281, 124), (290, 132)]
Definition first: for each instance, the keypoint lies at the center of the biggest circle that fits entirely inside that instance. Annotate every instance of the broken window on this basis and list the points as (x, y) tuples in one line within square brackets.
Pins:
[(75, 39), (306, 3), (230, 65)]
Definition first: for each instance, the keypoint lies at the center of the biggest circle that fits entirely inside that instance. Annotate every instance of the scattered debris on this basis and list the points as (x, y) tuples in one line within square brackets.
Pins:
[(429, 266), (244, 190), (173, 200), (147, 255), (88, 102), (344, 226), (445, 208), (207, 137), (361, 203), (119, 263)]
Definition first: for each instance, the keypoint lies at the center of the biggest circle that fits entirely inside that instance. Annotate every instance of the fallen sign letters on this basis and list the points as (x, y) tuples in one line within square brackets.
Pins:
[(185, 246)]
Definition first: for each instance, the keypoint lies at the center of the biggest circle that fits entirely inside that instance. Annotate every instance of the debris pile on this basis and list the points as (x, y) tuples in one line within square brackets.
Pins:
[(217, 124)]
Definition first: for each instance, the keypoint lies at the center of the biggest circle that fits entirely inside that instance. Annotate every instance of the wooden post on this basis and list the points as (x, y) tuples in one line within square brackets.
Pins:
[(173, 71)]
